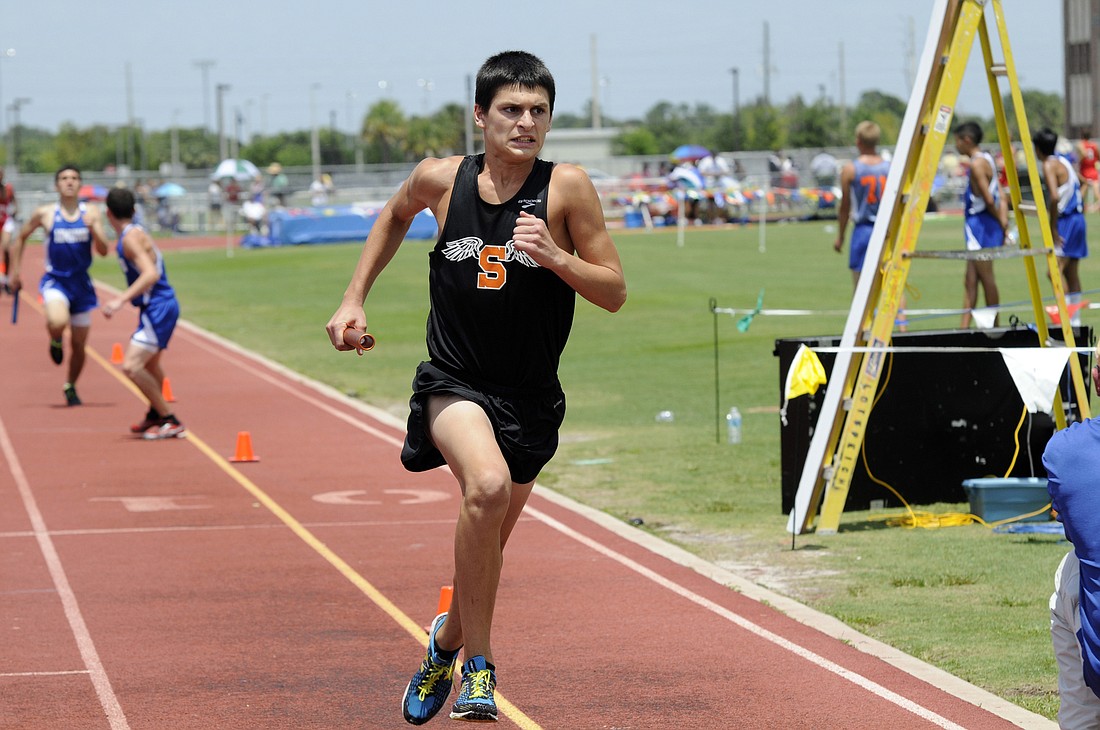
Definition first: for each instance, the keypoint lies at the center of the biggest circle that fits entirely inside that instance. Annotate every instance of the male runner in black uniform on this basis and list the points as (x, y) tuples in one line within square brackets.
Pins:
[(519, 238)]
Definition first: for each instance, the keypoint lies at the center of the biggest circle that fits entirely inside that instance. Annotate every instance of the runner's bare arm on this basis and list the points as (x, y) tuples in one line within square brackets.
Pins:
[(981, 175), (576, 225), (428, 184), (94, 220), (844, 210), (136, 248), (37, 220), (1051, 167)]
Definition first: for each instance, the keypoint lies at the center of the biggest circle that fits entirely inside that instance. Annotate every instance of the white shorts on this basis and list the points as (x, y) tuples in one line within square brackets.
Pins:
[(1080, 708)]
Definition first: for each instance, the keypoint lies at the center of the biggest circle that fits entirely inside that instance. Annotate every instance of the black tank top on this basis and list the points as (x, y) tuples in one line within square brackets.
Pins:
[(497, 318)]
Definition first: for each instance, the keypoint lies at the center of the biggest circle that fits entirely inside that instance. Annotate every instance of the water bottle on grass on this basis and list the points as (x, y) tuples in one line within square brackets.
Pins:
[(733, 426)]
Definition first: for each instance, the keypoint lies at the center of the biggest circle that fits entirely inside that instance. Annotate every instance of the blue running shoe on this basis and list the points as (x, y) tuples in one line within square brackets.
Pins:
[(475, 701), (430, 687)]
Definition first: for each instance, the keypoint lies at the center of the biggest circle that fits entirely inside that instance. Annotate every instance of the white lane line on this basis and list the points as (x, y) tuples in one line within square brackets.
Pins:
[(100, 681), (826, 664), (226, 528)]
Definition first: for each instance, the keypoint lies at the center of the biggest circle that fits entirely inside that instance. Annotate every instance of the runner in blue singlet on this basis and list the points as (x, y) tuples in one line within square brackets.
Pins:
[(1065, 205), (71, 230), (985, 218), (151, 293)]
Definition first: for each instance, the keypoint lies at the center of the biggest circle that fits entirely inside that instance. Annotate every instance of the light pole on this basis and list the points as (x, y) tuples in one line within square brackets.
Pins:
[(351, 128), (16, 105), (314, 136), (204, 66), (427, 85), (736, 92), (355, 132), (220, 91), (248, 129), (175, 142), (6, 53), (234, 143)]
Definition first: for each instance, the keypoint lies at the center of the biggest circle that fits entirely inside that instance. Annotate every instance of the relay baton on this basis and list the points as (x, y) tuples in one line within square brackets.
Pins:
[(360, 340), (15, 306)]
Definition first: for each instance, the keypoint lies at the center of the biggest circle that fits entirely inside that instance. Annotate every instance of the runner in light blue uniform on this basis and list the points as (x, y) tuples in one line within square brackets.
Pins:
[(72, 229), (866, 188), (1065, 206), (148, 290), (158, 305), (862, 183), (1071, 215), (68, 249), (984, 222)]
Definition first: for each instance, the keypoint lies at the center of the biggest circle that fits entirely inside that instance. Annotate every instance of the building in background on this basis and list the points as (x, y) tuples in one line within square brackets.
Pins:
[(1081, 21)]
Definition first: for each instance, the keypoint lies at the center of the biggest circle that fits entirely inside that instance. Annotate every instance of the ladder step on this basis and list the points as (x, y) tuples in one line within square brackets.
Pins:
[(998, 69), (1028, 208), (985, 254)]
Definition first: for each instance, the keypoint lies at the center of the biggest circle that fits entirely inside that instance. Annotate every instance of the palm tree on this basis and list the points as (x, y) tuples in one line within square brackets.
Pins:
[(386, 130)]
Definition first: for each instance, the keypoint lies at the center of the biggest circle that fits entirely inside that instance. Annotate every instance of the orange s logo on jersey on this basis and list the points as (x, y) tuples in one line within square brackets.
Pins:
[(493, 274), (490, 258)]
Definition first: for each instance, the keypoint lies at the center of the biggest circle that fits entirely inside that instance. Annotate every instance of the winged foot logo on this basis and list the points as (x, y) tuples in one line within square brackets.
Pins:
[(471, 246)]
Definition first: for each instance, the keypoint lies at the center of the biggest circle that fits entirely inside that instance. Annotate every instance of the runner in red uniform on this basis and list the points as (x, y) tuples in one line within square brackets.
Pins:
[(7, 227), (1090, 176)]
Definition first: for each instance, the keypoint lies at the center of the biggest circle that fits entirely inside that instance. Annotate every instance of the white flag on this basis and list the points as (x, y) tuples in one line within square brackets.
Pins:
[(984, 317), (1036, 372)]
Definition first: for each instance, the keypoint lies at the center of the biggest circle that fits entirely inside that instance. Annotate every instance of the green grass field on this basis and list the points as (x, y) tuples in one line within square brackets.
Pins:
[(962, 598)]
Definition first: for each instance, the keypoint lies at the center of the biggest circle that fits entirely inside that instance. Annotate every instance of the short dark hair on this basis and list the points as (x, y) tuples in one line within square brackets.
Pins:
[(970, 130), (120, 201), (74, 168), (1046, 139), (512, 68)]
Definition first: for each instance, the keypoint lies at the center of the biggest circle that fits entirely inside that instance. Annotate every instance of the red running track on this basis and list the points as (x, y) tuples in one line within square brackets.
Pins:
[(160, 585)]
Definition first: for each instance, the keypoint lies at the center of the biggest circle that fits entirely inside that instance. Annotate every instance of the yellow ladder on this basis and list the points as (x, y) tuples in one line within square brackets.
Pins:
[(835, 447)]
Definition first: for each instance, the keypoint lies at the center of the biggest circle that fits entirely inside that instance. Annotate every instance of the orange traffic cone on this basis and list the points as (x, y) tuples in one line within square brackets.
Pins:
[(446, 593), (1071, 309), (166, 391), (244, 448), (116, 354)]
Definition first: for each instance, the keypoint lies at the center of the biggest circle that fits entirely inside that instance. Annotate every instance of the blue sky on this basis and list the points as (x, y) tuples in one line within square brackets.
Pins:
[(330, 61)]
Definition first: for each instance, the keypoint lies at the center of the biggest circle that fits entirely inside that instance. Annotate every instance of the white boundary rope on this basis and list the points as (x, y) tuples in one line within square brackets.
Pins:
[(953, 350), (844, 312)]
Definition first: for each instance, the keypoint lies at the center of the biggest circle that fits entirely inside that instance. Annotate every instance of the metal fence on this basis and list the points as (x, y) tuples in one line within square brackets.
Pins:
[(615, 178)]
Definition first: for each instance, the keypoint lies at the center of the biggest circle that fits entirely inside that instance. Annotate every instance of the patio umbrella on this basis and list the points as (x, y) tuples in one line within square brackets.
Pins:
[(240, 170), (169, 190), (92, 192), (689, 152)]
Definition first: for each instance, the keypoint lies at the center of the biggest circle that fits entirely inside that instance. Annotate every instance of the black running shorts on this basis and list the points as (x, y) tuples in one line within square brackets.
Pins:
[(526, 426)]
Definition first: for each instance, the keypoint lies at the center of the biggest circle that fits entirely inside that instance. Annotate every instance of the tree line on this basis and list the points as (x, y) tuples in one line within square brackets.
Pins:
[(388, 135)]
